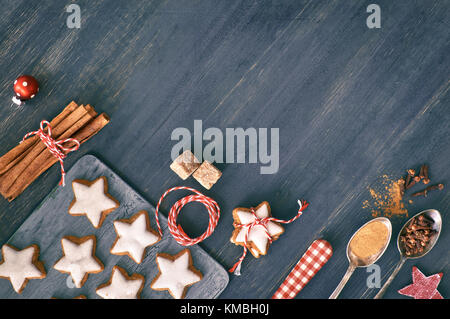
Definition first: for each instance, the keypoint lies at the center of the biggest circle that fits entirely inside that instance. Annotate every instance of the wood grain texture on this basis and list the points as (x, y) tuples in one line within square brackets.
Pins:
[(351, 103)]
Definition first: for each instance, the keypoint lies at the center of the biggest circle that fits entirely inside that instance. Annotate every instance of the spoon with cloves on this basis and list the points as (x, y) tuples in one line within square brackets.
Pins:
[(417, 237)]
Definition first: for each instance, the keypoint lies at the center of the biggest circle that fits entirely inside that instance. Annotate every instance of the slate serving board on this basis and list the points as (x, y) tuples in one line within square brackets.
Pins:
[(50, 222)]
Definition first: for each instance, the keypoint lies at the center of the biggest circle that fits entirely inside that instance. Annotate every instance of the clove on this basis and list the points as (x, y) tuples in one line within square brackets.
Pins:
[(426, 178), (428, 189), (421, 174), (408, 177), (411, 178)]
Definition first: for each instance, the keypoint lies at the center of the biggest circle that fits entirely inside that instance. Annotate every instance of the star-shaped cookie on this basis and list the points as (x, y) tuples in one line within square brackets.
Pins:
[(257, 241), (133, 236), (91, 199), (423, 287), (79, 259), (176, 273), (19, 266), (121, 285)]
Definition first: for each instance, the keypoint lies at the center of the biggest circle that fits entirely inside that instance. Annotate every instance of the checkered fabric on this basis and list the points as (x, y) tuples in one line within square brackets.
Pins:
[(315, 257)]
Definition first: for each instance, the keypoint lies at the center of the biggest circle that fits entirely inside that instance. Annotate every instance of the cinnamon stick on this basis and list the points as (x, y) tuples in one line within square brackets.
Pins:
[(92, 128), (45, 160), (10, 159), (67, 124)]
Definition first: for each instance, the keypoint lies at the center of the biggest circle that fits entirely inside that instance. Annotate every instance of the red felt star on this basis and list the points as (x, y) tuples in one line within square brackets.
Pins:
[(423, 287)]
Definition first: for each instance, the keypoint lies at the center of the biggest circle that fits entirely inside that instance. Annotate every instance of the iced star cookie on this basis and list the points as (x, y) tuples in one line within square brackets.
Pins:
[(176, 273), (79, 259), (134, 235), (91, 199), (121, 285), (19, 266), (257, 242)]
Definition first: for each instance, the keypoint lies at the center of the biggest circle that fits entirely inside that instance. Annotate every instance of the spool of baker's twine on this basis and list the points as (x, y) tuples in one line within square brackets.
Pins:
[(176, 230)]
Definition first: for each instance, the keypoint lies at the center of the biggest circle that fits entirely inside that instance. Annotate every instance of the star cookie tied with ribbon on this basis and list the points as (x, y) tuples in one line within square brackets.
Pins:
[(258, 236), (19, 266), (176, 273), (79, 258), (255, 229), (91, 199), (121, 285), (423, 287), (134, 235)]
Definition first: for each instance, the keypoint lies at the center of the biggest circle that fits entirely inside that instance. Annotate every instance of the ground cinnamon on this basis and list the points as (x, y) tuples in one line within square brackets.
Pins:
[(370, 240), (386, 198)]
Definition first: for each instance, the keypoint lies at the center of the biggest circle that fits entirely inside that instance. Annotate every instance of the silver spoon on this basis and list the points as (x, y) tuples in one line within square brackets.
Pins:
[(430, 214), (356, 262)]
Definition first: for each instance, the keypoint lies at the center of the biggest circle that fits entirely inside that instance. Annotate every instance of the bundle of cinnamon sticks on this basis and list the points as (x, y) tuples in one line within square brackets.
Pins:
[(28, 160)]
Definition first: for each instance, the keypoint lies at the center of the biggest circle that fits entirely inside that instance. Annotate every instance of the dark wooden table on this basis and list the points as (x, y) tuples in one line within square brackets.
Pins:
[(351, 103)]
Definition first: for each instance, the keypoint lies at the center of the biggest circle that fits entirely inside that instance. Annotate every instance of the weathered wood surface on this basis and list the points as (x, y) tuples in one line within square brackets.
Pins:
[(50, 222), (351, 103)]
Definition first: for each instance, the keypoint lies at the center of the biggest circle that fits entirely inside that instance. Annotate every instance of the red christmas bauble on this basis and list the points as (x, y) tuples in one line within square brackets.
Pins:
[(26, 87)]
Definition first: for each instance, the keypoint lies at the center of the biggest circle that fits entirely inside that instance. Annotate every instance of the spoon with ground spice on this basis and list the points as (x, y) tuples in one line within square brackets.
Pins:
[(365, 247), (416, 238)]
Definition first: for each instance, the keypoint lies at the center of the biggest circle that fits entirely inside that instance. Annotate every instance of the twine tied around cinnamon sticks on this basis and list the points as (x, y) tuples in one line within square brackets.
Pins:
[(55, 147), (25, 162)]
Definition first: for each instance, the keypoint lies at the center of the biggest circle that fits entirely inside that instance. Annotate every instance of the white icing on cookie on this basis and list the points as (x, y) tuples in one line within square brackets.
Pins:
[(91, 201), (257, 234), (18, 266), (78, 260), (134, 237), (121, 287), (175, 275)]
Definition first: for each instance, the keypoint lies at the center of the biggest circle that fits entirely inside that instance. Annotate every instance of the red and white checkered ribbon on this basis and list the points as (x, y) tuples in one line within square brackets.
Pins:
[(176, 230), (236, 269), (56, 148), (311, 262)]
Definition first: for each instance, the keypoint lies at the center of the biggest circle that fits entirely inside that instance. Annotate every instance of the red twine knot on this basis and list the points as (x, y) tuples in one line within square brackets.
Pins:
[(56, 148), (176, 230), (236, 269)]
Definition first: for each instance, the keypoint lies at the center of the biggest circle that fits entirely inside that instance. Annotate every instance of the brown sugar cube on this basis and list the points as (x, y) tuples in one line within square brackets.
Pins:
[(207, 175), (185, 164)]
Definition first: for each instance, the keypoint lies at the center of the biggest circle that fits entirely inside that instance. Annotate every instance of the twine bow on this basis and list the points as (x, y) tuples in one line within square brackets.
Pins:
[(236, 269), (56, 148)]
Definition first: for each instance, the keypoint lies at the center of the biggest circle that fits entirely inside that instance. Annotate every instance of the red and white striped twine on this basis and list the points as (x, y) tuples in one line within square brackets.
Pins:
[(56, 148), (176, 230), (236, 269)]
